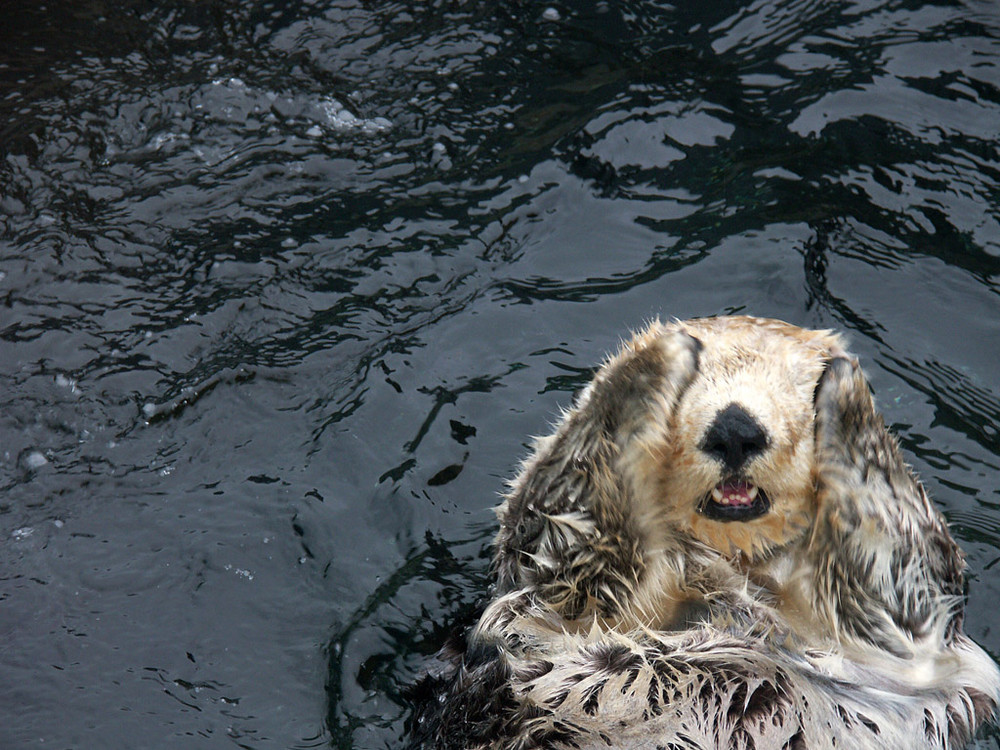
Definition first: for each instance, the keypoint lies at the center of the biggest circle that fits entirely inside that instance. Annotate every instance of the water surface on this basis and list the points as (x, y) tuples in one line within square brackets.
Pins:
[(286, 287)]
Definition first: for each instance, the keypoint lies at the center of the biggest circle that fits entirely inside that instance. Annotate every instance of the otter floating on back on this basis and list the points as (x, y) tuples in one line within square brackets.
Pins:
[(720, 547)]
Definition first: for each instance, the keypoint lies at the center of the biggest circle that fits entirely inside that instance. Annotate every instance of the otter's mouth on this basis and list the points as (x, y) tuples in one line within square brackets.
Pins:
[(735, 500)]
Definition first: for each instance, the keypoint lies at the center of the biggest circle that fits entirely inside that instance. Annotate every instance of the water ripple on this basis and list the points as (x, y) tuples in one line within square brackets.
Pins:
[(286, 287)]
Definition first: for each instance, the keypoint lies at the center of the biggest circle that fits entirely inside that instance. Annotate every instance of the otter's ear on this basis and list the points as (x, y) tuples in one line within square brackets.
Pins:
[(888, 572), (566, 527)]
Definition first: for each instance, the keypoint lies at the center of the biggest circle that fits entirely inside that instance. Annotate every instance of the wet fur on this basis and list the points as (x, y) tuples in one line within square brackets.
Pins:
[(624, 617)]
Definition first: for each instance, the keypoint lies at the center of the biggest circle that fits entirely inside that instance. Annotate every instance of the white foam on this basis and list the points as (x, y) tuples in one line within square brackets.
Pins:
[(337, 117)]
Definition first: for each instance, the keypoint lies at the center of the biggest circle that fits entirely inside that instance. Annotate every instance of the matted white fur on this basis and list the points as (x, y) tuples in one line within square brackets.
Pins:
[(720, 547)]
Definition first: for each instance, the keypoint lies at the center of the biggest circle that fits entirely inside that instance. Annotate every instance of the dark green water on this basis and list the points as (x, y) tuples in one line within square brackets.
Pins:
[(285, 288)]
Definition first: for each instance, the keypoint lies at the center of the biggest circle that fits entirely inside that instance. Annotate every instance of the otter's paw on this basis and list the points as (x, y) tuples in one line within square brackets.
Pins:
[(889, 572), (566, 529)]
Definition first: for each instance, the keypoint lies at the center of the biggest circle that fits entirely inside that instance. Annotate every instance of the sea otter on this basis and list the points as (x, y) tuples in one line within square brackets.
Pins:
[(720, 547)]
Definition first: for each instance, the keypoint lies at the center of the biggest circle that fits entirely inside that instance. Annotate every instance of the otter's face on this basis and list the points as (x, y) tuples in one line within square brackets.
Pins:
[(735, 467)]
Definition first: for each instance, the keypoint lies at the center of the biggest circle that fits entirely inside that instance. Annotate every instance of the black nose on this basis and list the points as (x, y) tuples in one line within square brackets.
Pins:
[(734, 437)]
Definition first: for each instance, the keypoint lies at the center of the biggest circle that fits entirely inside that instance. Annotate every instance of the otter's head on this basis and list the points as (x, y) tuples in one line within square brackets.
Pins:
[(734, 468), (697, 435)]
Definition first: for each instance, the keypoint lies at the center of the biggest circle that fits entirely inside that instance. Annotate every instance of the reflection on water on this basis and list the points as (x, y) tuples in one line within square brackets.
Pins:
[(286, 287)]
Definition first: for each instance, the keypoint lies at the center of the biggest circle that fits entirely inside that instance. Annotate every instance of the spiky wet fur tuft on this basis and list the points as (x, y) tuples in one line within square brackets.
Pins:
[(626, 617)]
